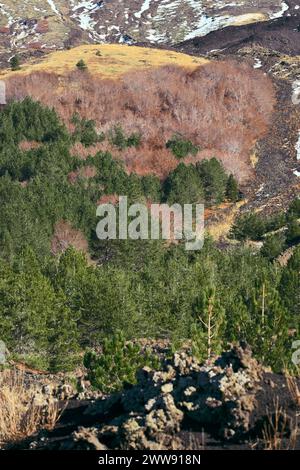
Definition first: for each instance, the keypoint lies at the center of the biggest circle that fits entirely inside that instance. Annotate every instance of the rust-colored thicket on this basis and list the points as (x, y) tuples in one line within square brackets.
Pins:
[(27, 145), (65, 236), (224, 107), (85, 173)]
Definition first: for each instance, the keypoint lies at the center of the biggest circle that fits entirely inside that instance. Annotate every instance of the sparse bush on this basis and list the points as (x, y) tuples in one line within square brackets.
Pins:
[(81, 65), (118, 363), (181, 147), (250, 226), (273, 246), (15, 63), (120, 140)]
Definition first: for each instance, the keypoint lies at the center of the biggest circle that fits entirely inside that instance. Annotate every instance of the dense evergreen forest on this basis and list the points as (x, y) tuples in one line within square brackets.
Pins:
[(53, 307)]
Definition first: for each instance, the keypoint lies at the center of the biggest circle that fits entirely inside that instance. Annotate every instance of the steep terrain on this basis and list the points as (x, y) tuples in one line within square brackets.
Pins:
[(221, 79), (224, 108), (274, 48), (278, 34), (50, 24)]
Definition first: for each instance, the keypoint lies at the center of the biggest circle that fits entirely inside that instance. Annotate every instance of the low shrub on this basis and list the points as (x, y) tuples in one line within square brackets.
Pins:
[(118, 363), (119, 139), (181, 147)]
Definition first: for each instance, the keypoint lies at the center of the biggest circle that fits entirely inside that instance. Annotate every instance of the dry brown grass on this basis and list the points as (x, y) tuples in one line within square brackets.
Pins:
[(225, 216), (20, 416), (277, 432), (115, 60), (274, 428), (293, 387)]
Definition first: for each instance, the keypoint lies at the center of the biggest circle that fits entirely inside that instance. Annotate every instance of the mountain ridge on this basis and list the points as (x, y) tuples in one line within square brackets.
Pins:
[(57, 24)]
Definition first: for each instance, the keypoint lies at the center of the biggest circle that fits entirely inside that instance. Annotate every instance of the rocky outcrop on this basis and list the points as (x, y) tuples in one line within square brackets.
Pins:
[(221, 394), (229, 398), (57, 24)]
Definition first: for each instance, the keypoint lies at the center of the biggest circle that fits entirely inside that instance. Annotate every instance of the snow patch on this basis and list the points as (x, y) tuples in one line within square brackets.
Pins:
[(9, 16), (279, 14), (53, 7), (296, 92), (258, 63), (297, 147), (145, 7)]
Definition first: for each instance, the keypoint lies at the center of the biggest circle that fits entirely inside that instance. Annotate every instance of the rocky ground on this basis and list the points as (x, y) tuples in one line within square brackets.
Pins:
[(232, 402), (34, 27), (278, 34), (274, 48), (271, 46)]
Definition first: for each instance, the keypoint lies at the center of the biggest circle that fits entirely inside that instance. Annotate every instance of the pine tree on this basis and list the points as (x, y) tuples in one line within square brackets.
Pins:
[(293, 232), (81, 65), (214, 180), (273, 246), (118, 363), (249, 226), (232, 189), (15, 63), (207, 332), (269, 326), (290, 287), (237, 318), (39, 327), (63, 336)]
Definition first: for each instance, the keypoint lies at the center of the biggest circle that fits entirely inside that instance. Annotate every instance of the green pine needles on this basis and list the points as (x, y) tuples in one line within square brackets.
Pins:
[(118, 363)]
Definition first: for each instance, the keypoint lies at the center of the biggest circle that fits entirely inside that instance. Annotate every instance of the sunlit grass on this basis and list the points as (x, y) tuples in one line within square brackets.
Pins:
[(114, 61)]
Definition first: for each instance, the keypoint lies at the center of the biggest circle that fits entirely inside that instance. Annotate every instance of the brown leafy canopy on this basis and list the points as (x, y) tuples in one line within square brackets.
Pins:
[(65, 236), (223, 107)]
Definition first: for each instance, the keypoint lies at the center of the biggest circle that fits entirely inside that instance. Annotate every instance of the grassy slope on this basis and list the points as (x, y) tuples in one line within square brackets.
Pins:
[(114, 61)]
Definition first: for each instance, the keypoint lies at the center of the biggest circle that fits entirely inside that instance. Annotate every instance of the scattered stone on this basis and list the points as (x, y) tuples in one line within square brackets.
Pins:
[(231, 396)]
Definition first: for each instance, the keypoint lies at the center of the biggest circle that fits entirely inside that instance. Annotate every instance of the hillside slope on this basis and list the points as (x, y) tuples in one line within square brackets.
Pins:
[(185, 95), (107, 61), (32, 25)]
